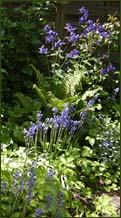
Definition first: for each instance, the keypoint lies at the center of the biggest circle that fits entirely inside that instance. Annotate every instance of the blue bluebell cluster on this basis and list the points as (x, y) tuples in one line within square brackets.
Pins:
[(58, 47), (59, 43), (108, 140), (60, 199), (51, 35), (62, 120), (31, 183), (73, 54), (115, 93), (22, 182), (116, 90), (4, 185), (110, 68), (43, 50), (84, 13), (91, 101), (38, 213), (71, 29), (83, 114)]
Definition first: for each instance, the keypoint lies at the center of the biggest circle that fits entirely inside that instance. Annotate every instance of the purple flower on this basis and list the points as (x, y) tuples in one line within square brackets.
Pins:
[(38, 212), (70, 28), (104, 35), (22, 185), (47, 28), (51, 36), (51, 172), (91, 28), (58, 44), (103, 71), (73, 38), (31, 181), (16, 174), (43, 50), (82, 19), (91, 102), (85, 15), (29, 195), (39, 115), (100, 28), (74, 125), (54, 110), (89, 22), (116, 90), (48, 200), (3, 186), (32, 131), (83, 10), (73, 54), (42, 126), (83, 114), (110, 68)]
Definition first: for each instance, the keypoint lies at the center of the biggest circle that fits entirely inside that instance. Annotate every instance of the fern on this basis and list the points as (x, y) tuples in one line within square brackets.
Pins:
[(39, 77), (72, 81), (41, 93), (54, 101)]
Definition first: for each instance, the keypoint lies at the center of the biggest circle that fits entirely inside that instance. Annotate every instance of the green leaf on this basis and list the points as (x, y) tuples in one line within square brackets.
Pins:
[(91, 140), (86, 152)]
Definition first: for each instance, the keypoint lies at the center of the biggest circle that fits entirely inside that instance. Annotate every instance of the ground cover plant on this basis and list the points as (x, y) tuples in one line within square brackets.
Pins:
[(69, 162)]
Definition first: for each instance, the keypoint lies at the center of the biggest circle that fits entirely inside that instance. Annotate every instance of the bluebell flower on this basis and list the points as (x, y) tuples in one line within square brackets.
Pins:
[(100, 28), (73, 54), (22, 185), (51, 36), (54, 110), (73, 38), (89, 22), (84, 13), (38, 213), (58, 44), (31, 181), (91, 102), (48, 200), (43, 50), (51, 172), (29, 195), (70, 28), (104, 35), (17, 174), (83, 10), (83, 114), (91, 28), (60, 194), (60, 199), (42, 126), (47, 28), (3, 186), (103, 71), (58, 214), (110, 68), (31, 132), (74, 126), (39, 115), (116, 90)]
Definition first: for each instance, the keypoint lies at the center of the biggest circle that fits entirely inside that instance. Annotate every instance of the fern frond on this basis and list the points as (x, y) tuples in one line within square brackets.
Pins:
[(41, 93)]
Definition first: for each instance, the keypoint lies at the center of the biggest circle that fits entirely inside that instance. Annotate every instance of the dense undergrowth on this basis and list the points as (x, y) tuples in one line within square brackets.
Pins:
[(60, 140)]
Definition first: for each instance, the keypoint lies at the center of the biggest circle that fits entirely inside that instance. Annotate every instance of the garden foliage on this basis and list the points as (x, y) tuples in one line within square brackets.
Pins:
[(70, 148)]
